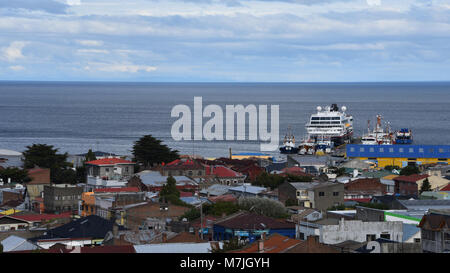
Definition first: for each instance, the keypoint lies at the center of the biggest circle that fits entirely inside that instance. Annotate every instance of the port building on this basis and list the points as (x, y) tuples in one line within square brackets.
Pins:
[(400, 155)]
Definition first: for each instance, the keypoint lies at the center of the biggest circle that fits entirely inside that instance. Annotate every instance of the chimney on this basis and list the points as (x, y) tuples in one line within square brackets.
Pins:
[(260, 246), (164, 237)]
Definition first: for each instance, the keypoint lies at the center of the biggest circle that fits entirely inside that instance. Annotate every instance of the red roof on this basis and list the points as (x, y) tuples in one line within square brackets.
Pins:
[(126, 189), (413, 178), (276, 243), (109, 161), (222, 171), (41, 217), (446, 188), (223, 198), (186, 194)]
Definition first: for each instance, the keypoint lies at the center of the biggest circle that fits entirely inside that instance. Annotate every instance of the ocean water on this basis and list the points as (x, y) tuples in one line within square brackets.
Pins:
[(75, 117)]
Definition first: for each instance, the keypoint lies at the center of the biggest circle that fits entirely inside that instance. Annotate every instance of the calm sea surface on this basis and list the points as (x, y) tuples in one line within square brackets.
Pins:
[(75, 117)]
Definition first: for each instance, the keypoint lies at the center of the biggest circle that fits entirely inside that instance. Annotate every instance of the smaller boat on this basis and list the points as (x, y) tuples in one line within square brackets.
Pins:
[(404, 136), (378, 136), (289, 144)]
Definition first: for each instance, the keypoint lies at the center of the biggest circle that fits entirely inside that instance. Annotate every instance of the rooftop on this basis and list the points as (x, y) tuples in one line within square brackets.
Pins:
[(109, 161), (253, 221), (275, 243)]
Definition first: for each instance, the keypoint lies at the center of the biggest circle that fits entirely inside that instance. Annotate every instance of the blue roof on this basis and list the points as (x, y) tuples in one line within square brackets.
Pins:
[(405, 151), (254, 154), (409, 230)]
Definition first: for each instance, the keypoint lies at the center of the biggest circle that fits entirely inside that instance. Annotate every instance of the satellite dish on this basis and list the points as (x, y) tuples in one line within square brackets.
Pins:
[(344, 108), (319, 108)]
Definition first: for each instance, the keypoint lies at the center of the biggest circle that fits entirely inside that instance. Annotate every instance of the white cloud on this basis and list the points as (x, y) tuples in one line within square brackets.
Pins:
[(90, 42), (17, 67), (373, 2), (13, 51), (93, 51), (127, 68)]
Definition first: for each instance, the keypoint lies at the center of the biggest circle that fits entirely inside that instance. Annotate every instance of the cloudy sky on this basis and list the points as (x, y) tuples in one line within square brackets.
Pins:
[(225, 40)]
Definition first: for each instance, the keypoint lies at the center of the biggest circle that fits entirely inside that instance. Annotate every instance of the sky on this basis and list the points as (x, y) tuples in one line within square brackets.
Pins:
[(225, 40)]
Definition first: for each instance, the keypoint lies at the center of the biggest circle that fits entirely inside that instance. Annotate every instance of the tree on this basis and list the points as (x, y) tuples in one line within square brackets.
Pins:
[(16, 175), (426, 186), (81, 174), (90, 156), (391, 167), (408, 170), (268, 180), (263, 206), (149, 151), (191, 214), (45, 156), (1, 248)]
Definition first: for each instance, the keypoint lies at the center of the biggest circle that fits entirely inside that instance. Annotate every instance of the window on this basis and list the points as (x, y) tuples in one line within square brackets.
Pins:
[(126, 169), (335, 193), (301, 236), (401, 150), (199, 173), (385, 236), (372, 150), (370, 237), (416, 240), (441, 150), (352, 149), (107, 170), (421, 150), (321, 193), (361, 149), (411, 150), (381, 150)]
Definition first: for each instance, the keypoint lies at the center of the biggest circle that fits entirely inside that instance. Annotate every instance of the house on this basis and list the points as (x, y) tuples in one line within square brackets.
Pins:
[(35, 188), (15, 243), (86, 231), (135, 214), (110, 168), (317, 195), (388, 180), (274, 243), (184, 167), (103, 182), (391, 200), (382, 245), (435, 229), (215, 190), (312, 245), (250, 226), (408, 184), (175, 248), (350, 230), (104, 202), (154, 181), (225, 175), (436, 182), (8, 222), (223, 198), (319, 163), (247, 190), (35, 220), (363, 189), (62, 198)]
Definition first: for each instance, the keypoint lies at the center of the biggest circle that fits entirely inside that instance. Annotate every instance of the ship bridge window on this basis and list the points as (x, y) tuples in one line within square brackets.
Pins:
[(325, 118), (335, 118)]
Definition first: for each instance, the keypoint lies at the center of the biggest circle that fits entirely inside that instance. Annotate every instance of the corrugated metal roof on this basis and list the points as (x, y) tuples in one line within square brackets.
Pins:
[(175, 248), (401, 151)]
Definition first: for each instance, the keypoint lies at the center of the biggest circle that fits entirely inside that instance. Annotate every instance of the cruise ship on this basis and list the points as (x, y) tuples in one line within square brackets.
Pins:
[(330, 124)]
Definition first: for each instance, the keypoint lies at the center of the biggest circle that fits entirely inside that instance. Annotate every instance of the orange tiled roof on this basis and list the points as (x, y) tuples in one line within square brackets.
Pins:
[(276, 243)]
